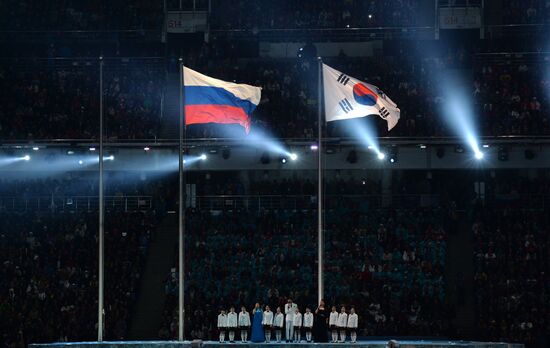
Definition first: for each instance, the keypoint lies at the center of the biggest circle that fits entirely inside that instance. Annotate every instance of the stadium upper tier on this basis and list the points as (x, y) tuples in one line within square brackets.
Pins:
[(52, 99), (251, 14)]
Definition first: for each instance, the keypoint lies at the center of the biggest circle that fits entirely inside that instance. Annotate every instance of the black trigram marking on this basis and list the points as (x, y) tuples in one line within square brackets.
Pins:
[(343, 79), (384, 113), (345, 105)]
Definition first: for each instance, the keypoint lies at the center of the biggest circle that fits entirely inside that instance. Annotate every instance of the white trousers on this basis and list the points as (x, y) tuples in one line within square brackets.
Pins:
[(289, 330)]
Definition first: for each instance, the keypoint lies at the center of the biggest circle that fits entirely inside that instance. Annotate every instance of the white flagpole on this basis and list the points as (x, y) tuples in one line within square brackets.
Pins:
[(181, 309), (101, 246), (320, 240)]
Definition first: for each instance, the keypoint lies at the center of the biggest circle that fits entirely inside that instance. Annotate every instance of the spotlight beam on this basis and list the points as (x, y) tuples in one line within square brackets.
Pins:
[(362, 130)]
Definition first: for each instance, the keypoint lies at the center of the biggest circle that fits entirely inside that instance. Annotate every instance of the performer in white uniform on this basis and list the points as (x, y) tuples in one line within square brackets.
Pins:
[(278, 322), (308, 324), (290, 309), (222, 325), (333, 320), (297, 321), (267, 322), (353, 321), (232, 323), (244, 324), (342, 324)]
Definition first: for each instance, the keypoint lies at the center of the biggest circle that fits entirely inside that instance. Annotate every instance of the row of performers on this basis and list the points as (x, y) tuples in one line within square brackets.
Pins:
[(293, 321)]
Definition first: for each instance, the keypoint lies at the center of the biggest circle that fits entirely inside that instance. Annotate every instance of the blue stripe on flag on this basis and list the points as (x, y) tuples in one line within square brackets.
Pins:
[(203, 95)]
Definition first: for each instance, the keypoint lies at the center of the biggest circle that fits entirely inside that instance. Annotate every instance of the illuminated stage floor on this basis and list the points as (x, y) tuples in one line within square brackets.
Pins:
[(210, 344)]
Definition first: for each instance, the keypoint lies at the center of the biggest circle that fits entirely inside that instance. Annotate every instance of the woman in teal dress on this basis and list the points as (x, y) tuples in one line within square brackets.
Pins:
[(257, 329)]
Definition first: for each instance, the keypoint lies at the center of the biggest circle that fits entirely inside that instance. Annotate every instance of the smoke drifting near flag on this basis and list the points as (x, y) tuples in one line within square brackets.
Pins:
[(363, 95)]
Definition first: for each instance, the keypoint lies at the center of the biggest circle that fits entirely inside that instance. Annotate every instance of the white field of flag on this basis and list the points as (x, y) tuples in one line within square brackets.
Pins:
[(346, 98)]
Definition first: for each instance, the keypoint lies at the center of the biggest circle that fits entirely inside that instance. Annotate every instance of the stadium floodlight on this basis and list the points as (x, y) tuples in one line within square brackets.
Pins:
[(381, 156), (27, 158), (314, 147), (393, 155), (479, 155), (146, 148), (80, 162), (92, 148), (109, 158), (293, 156), (35, 148), (203, 157)]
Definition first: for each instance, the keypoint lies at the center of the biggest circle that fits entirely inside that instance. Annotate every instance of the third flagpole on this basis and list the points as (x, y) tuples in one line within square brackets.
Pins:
[(181, 316), (320, 239), (101, 246)]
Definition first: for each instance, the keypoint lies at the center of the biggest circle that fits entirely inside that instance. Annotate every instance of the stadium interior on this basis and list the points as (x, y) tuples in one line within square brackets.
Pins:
[(438, 229)]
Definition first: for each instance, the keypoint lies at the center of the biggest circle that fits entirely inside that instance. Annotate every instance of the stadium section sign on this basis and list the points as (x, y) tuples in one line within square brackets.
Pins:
[(459, 18), (186, 21)]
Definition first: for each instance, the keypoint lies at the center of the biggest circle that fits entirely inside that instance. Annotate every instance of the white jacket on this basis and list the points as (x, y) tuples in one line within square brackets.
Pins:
[(290, 310), (232, 320), (279, 319), (267, 318), (342, 320), (222, 320), (308, 319), (244, 319), (297, 321), (353, 320), (333, 318)]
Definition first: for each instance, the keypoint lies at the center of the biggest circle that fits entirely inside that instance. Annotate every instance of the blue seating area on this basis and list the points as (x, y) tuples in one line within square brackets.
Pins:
[(388, 264)]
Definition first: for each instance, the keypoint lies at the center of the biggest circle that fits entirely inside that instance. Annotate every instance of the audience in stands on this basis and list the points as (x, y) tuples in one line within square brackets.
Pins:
[(49, 274), (42, 102), (379, 261), (512, 273), (313, 14), (81, 15), (530, 12), (390, 265)]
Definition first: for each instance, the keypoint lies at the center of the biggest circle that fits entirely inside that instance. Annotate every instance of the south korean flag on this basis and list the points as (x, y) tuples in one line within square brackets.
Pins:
[(347, 97)]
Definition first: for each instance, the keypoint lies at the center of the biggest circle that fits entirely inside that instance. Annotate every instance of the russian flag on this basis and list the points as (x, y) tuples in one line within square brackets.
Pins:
[(209, 100)]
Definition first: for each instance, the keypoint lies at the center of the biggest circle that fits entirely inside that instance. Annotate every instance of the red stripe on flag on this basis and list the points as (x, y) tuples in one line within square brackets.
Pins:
[(216, 114)]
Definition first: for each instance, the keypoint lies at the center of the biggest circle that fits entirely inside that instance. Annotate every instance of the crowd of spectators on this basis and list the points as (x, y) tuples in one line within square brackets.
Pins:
[(47, 102), (29, 15), (511, 274), (81, 184), (526, 12), (388, 264), (68, 15), (48, 274), (311, 14), (512, 99)]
